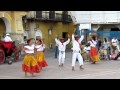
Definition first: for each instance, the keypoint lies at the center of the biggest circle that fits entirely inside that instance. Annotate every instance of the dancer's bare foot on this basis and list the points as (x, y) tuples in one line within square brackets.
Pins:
[(93, 62), (81, 67), (33, 75), (73, 69), (61, 65), (25, 74)]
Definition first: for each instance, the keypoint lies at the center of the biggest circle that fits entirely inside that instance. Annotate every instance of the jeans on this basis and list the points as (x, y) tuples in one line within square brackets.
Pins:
[(98, 48), (108, 54), (56, 52)]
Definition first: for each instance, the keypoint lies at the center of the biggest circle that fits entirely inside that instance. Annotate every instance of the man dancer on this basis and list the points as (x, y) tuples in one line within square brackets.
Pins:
[(77, 51), (62, 47)]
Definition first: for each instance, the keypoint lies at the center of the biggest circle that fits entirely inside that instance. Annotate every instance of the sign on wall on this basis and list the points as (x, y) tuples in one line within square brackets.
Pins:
[(85, 26), (38, 33)]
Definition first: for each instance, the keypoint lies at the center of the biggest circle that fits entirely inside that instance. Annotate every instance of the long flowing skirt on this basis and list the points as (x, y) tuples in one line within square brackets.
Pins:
[(40, 57), (94, 55), (30, 64)]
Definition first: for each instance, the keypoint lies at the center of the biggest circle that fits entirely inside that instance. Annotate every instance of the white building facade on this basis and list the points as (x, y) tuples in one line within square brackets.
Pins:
[(97, 20)]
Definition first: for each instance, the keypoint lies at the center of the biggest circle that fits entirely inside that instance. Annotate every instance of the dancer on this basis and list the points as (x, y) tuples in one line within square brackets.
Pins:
[(62, 47), (40, 57), (93, 52), (30, 64), (77, 51)]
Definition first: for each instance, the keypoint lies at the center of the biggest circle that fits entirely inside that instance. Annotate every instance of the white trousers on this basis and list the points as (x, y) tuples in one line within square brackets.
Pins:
[(77, 56), (61, 58)]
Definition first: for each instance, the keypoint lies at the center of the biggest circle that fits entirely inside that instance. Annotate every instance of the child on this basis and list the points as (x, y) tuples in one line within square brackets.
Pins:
[(86, 50)]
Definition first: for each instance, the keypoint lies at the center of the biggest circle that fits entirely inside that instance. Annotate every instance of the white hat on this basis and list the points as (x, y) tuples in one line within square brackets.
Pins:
[(7, 34)]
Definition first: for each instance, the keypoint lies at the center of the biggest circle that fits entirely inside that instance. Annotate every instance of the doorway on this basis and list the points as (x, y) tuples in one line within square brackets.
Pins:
[(64, 35)]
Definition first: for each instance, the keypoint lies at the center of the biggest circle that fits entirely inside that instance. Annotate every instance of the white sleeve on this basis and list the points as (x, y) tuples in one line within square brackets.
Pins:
[(81, 38), (5, 39), (91, 44), (43, 46), (24, 47), (73, 38), (37, 46), (67, 42), (85, 49), (94, 42), (112, 40), (57, 41), (10, 39)]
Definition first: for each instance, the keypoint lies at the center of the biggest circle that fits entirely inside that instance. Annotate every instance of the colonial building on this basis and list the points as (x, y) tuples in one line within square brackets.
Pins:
[(11, 22), (48, 24)]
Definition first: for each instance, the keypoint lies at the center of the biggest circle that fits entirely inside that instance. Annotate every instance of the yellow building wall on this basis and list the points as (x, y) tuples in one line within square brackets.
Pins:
[(2, 27), (58, 28), (15, 20), (18, 21)]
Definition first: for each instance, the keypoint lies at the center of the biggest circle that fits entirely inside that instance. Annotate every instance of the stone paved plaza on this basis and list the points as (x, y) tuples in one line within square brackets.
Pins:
[(101, 70)]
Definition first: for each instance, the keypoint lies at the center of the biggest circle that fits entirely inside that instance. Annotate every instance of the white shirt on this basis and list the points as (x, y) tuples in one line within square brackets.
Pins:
[(7, 39), (76, 45), (40, 47), (106, 45), (87, 49), (60, 46), (93, 43), (30, 49), (56, 43), (114, 42)]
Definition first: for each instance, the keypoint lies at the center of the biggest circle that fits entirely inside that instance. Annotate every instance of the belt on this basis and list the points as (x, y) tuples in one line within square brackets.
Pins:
[(62, 51), (76, 51)]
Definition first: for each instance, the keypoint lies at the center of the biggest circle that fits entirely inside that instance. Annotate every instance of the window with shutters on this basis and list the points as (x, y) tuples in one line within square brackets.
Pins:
[(39, 14), (65, 15), (52, 15)]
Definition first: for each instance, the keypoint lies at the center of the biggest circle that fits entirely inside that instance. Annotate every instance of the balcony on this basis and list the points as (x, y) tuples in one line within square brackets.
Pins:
[(49, 16)]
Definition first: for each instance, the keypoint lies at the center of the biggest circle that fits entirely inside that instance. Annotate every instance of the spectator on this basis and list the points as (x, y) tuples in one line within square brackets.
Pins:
[(7, 38)]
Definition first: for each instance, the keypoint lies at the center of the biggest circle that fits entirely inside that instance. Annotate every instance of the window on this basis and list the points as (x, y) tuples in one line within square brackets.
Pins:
[(65, 15), (52, 15), (38, 14)]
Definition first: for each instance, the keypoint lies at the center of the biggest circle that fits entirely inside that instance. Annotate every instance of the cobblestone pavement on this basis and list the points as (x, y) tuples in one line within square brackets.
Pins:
[(101, 70)]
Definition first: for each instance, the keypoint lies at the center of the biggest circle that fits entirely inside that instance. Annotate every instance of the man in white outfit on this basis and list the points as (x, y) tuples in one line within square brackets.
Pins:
[(7, 38), (62, 48), (77, 51)]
